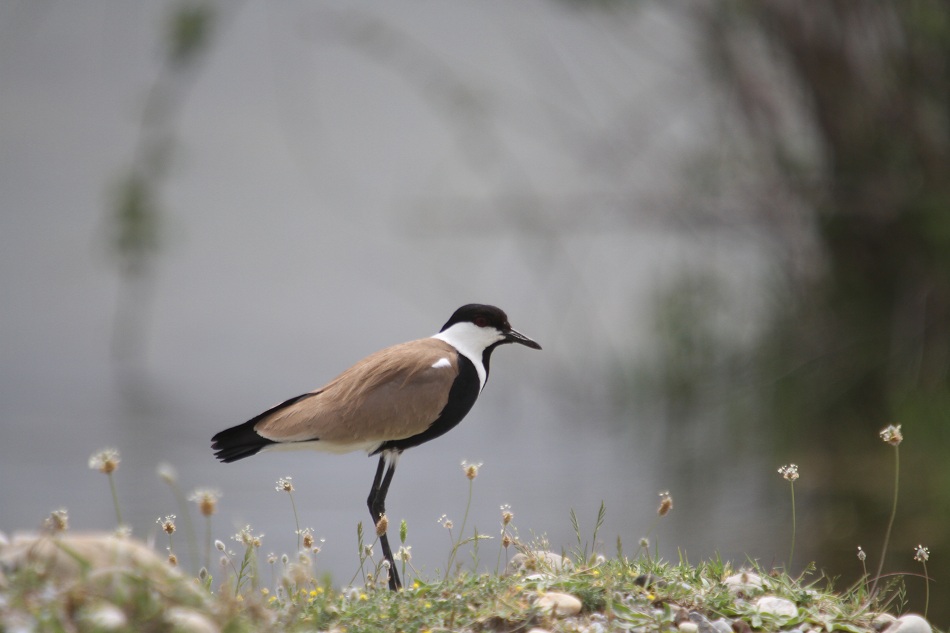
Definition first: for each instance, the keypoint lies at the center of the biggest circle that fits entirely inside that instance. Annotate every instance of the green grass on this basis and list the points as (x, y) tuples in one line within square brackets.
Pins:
[(610, 592)]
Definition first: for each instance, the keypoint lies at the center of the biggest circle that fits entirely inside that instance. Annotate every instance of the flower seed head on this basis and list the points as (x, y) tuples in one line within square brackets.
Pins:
[(506, 541), (105, 461), (403, 531), (790, 472), (382, 525), (892, 435), (921, 554), (470, 470), (403, 554), (862, 555), (666, 503), (247, 538), (506, 514), (168, 524), (207, 500), (57, 521), (167, 473), (172, 559), (284, 485)]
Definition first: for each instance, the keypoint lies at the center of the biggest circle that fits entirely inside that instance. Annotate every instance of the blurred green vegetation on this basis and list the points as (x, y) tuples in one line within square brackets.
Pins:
[(845, 112), (136, 223)]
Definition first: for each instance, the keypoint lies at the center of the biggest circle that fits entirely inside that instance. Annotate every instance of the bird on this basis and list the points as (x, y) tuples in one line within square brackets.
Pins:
[(397, 398)]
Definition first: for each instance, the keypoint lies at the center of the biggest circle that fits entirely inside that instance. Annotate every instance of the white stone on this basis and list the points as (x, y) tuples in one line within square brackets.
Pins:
[(189, 621), (559, 604), (910, 623), (538, 560), (776, 607), (105, 616), (744, 582), (722, 625), (882, 620), (688, 627)]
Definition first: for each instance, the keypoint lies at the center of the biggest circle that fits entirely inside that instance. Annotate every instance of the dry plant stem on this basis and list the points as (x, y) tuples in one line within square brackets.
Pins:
[(926, 589), (501, 548), (791, 553), (115, 500), (864, 578), (208, 543), (296, 520), (890, 523), (184, 512), (455, 547)]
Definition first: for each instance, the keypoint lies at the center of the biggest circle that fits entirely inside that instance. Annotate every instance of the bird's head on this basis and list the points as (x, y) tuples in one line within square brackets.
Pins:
[(477, 327)]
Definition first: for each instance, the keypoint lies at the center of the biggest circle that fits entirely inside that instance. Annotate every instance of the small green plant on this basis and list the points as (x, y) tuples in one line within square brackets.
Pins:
[(284, 484), (922, 555), (582, 552), (666, 504), (862, 556), (506, 539), (166, 472), (248, 570), (471, 472), (207, 500), (790, 473), (107, 461), (168, 527), (891, 435)]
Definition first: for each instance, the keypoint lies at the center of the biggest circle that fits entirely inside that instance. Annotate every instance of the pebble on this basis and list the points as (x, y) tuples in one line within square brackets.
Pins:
[(559, 604), (688, 627), (185, 620), (910, 623), (776, 607), (744, 582), (538, 560), (881, 621), (705, 626), (722, 625)]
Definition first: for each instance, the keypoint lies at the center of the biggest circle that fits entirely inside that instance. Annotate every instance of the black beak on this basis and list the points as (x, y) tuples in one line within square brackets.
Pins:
[(513, 336)]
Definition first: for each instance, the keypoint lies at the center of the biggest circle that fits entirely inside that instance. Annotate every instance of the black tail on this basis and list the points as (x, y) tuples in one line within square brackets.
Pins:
[(242, 440), (238, 442)]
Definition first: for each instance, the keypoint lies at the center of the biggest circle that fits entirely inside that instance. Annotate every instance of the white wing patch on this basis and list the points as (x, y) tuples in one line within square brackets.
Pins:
[(442, 362)]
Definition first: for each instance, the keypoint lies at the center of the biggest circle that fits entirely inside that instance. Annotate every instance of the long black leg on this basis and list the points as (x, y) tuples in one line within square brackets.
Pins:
[(377, 507)]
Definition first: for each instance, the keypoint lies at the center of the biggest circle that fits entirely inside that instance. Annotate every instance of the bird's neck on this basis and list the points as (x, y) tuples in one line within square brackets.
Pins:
[(474, 343)]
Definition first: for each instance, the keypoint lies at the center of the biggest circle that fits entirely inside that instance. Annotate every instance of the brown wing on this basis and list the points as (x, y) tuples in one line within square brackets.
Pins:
[(393, 394)]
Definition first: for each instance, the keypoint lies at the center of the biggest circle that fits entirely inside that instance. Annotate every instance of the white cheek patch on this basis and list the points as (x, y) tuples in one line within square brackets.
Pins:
[(442, 362)]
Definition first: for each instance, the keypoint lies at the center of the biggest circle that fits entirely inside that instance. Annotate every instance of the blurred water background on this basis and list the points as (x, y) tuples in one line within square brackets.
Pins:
[(728, 235)]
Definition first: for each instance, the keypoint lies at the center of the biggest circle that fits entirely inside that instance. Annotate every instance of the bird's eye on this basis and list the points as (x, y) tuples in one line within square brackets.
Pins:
[(481, 321)]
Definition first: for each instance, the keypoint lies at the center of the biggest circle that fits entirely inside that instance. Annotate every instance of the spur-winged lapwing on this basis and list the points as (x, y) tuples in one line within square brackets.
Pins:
[(392, 400)]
